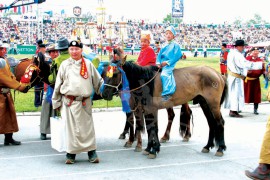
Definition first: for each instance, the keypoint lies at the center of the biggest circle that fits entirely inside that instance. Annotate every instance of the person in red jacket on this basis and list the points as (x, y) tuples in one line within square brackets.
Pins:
[(252, 86), (223, 59), (147, 55)]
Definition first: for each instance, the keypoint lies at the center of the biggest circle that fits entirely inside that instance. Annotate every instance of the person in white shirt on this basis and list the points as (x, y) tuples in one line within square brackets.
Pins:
[(237, 72)]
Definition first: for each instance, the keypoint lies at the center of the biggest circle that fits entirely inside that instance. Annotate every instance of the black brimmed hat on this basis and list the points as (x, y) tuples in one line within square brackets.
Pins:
[(41, 45), (61, 44), (76, 44), (39, 41), (51, 48), (240, 42)]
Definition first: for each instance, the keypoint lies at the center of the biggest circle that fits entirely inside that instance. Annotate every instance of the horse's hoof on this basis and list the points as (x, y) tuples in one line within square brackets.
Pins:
[(138, 149), (185, 139), (128, 145), (145, 152), (122, 136), (151, 156), (219, 154), (163, 140), (204, 150)]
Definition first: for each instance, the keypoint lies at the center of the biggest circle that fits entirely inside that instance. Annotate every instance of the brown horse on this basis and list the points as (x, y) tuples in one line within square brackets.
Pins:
[(40, 70), (201, 84), (135, 133)]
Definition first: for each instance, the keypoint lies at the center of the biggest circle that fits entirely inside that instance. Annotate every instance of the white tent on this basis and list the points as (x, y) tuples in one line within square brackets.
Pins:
[(260, 44)]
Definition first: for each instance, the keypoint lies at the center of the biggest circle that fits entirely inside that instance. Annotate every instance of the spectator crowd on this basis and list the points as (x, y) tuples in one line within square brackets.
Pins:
[(189, 36)]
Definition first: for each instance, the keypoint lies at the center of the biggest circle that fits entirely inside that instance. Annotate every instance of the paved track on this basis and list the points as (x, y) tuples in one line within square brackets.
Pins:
[(35, 159)]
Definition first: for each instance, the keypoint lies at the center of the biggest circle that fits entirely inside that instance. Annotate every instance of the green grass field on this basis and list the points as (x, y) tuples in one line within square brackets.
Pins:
[(25, 102)]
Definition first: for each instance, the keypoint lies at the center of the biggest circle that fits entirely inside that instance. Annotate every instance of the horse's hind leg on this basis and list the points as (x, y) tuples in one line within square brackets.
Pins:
[(220, 141), (211, 124), (166, 136), (153, 146), (130, 122), (216, 127), (185, 116)]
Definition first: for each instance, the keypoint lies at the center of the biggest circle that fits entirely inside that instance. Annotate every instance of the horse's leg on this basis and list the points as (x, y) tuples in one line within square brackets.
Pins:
[(126, 128), (139, 128), (211, 124), (185, 116), (219, 137), (153, 146), (166, 136), (130, 121)]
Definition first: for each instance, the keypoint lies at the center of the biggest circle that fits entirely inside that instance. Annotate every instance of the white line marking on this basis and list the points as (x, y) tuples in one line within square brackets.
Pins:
[(142, 168), (100, 151)]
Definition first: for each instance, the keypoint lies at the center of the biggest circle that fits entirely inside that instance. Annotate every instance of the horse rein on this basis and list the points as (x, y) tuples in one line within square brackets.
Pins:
[(144, 83)]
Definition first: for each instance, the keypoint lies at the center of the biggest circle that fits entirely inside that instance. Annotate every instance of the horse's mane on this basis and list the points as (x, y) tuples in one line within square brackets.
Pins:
[(138, 72), (138, 75)]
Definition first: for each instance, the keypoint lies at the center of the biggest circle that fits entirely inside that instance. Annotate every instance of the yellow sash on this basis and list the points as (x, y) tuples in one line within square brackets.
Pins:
[(236, 75), (249, 78)]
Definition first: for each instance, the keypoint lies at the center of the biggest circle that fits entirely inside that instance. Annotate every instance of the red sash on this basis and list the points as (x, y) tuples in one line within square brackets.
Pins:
[(84, 72)]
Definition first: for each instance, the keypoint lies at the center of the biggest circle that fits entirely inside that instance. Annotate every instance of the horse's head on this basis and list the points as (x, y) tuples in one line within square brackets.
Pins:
[(112, 81), (118, 56), (35, 72)]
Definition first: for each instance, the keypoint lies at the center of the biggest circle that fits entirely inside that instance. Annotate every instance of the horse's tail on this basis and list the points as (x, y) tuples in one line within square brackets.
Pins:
[(225, 90)]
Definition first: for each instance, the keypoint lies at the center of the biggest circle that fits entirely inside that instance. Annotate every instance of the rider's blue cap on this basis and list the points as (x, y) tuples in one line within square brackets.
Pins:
[(170, 28)]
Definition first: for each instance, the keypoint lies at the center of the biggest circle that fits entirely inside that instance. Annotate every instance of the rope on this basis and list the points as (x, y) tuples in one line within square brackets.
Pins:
[(143, 84)]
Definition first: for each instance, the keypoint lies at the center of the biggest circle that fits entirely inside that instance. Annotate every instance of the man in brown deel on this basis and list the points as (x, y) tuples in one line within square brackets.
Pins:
[(8, 120)]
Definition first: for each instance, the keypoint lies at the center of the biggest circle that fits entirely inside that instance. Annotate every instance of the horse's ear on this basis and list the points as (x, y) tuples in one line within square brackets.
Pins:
[(111, 58), (124, 60)]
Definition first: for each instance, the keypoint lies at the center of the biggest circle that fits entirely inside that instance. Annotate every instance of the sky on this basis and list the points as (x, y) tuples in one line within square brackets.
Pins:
[(200, 11)]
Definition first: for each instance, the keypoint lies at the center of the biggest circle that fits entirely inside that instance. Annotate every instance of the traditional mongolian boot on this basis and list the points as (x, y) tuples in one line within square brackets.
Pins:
[(256, 105), (235, 114), (9, 140), (43, 136), (70, 158), (92, 157), (262, 172)]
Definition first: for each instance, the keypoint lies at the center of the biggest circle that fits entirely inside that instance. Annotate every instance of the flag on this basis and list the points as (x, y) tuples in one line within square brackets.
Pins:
[(50, 13), (19, 10), (15, 9), (62, 11), (23, 9), (1, 5)]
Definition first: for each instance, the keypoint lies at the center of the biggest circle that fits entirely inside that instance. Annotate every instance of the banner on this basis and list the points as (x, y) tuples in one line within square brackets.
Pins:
[(26, 49), (177, 8)]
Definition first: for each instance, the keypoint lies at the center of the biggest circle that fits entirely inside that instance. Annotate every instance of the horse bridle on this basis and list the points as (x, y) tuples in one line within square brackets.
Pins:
[(116, 87)]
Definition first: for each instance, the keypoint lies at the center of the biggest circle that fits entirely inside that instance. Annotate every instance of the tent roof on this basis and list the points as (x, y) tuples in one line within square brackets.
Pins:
[(260, 44)]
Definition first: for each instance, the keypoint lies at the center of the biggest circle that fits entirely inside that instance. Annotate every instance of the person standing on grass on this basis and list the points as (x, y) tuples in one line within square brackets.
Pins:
[(223, 59), (39, 86)]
